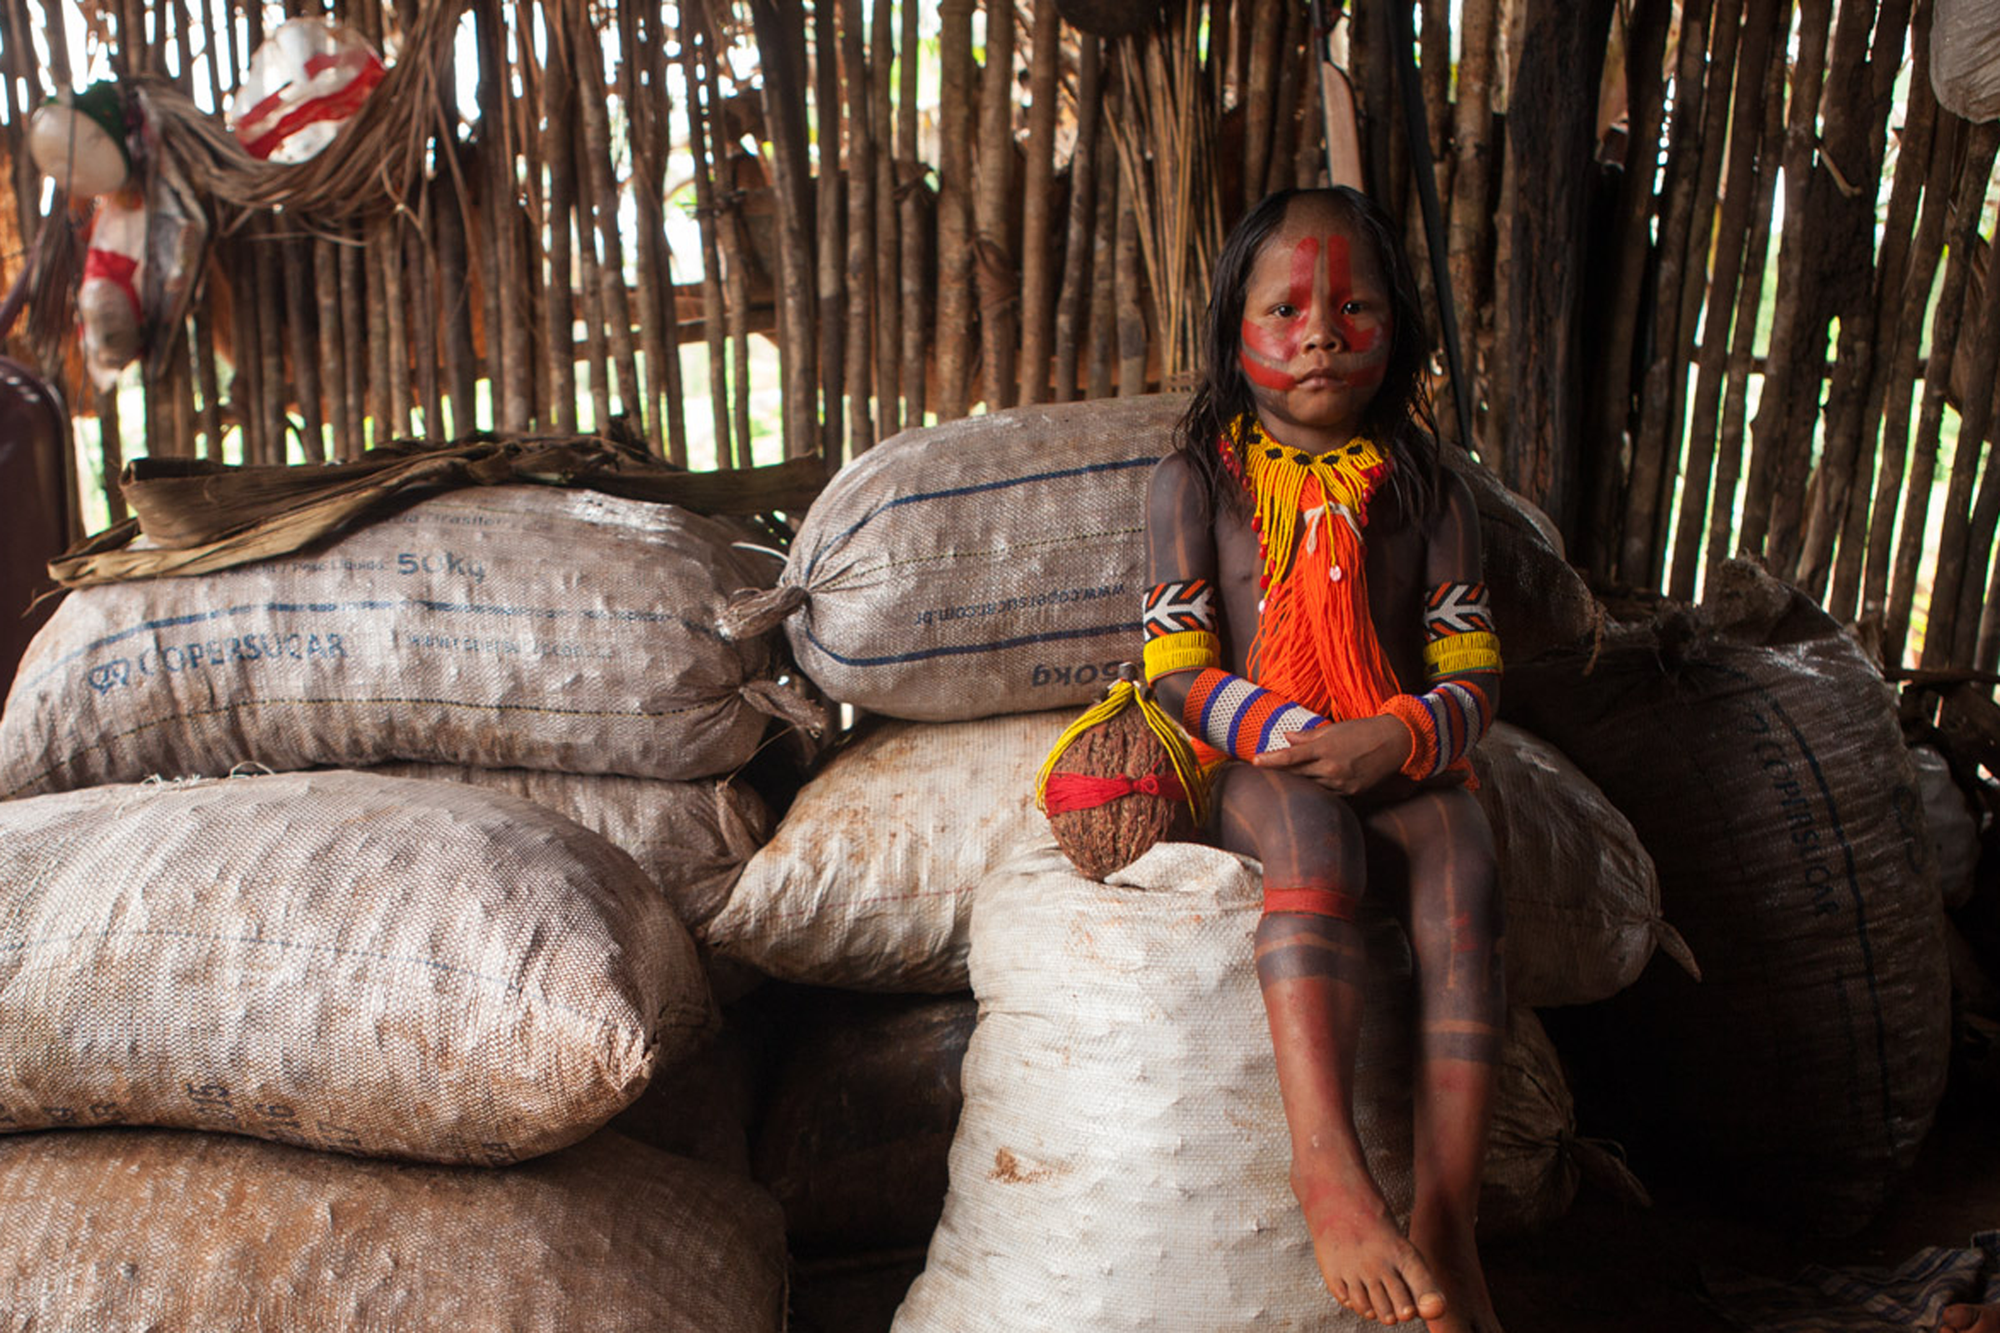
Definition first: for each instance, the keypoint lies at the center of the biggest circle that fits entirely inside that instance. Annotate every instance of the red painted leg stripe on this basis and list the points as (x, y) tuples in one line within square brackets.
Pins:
[(1314, 902)]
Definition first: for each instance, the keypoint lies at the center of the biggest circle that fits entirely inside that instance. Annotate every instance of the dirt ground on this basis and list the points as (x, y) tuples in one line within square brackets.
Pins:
[(1605, 1268)]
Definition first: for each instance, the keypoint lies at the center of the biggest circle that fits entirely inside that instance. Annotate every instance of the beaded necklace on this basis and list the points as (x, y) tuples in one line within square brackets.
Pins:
[(1315, 640)]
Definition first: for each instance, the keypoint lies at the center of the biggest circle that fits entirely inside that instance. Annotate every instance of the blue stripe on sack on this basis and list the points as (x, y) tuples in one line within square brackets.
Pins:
[(918, 497), (954, 650)]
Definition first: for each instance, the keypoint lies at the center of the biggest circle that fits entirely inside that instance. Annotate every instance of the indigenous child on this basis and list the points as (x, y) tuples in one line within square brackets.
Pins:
[(1317, 618)]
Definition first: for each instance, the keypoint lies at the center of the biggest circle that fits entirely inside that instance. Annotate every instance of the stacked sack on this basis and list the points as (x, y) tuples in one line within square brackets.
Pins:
[(452, 972), (974, 586), (1758, 750)]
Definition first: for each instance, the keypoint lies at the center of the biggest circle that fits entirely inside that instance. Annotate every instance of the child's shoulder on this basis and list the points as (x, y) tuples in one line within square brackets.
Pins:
[(1178, 477)]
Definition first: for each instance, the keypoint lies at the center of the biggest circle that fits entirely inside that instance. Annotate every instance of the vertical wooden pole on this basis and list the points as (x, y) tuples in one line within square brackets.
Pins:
[(860, 230), (1759, 22), (1656, 443), (1968, 204), (601, 216), (916, 311), (1915, 296), (1266, 27), (700, 121), (1102, 340), (888, 230), (781, 37), (332, 344), (1771, 432), (1073, 314), (1469, 216), (1037, 280), (954, 228), (558, 307), (1551, 128), (1729, 439), (999, 278), (832, 230), (1902, 255)]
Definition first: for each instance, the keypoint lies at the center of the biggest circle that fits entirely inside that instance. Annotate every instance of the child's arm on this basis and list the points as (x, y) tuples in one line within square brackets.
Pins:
[(1461, 648), (1180, 554)]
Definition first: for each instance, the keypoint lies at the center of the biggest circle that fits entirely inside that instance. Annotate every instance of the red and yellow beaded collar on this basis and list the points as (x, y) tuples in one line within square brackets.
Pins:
[(1315, 641)]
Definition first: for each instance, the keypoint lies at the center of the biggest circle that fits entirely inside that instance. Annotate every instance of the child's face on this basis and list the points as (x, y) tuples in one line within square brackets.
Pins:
[(1316, 326)]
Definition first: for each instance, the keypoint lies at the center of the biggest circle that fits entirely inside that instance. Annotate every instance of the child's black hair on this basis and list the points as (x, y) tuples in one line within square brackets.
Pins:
[(1398, 417)]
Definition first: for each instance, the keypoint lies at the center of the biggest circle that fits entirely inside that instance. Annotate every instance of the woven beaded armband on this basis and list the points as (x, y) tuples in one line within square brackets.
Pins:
[(1242, 719)]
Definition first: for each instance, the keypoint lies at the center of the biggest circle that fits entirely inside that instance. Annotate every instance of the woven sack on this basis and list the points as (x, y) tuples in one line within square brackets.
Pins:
[(185, 1233), (1539, 602), (1965, 58), (382, 967), (1122, 1158), (510, 627), (691, 837), (1534, 1159), (987, 565), (1756, 750), (868, 881), (857, 1129), (1582, 900)]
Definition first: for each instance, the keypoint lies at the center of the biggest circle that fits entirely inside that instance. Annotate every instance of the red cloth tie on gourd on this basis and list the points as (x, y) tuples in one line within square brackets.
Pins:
[(1080, 791)]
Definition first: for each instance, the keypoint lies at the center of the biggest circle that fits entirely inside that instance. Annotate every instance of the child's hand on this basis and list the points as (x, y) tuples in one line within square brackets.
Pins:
[(1346, 758)]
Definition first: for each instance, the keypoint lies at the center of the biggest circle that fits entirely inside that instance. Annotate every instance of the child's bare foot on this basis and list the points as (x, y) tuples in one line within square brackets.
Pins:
[(1365, 1260), (1454, 1256), (1970, 1319)]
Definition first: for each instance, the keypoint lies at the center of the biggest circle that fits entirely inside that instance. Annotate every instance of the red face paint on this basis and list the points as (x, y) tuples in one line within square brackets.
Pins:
[(1265, 350), (1271, 343)]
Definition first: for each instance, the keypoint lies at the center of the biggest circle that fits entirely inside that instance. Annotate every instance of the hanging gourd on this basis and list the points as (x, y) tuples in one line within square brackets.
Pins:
[(306, 81), (1120, 779)]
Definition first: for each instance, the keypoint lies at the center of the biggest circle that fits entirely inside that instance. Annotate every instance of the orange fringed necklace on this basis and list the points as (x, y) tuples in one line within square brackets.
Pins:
[(1315, 638)]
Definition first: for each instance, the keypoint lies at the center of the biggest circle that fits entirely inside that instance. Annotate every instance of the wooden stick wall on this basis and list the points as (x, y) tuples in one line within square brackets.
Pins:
[(1685, 337)]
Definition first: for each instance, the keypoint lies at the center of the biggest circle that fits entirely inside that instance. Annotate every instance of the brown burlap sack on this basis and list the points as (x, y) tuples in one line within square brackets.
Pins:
[(857, 1130), (511, 627), (868, 881), (378, 966), (1582, 899), (1534, 1159), (691, 837), (1539, 601), (703, 1106), (1122, 1160), (186, 1233), (1755, 748), (994, 564)]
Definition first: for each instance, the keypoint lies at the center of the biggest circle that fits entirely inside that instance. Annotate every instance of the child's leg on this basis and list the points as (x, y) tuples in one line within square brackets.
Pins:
[(1446, 849), (1312, 969)]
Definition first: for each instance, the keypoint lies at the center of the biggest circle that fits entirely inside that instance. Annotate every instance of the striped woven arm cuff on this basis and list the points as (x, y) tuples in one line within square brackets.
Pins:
[(1444, 723), (1179, 652), (1242, 719)]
